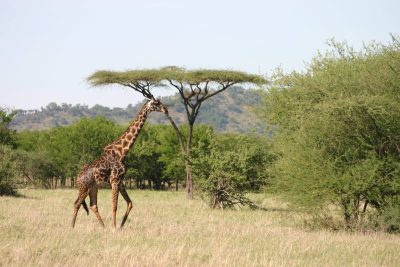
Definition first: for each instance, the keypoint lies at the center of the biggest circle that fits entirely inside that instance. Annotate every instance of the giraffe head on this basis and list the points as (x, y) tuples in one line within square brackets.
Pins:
[(156, 105)]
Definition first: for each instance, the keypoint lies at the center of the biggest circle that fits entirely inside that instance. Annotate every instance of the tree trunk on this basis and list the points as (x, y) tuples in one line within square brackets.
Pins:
[(356, 208), (364, 211), (63, 182), (365, 205), (346, 211), (186, 154), (189, 185)]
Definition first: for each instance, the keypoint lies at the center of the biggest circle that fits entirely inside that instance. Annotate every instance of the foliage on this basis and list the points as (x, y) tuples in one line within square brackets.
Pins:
[(8, 171), (61, 152), (36, 168), (8, 167), (154, 161), (228, 166), (156, 155), (338, 130), (6, 135), (169, 155), (143, 159), (390, 217), (154, 77)]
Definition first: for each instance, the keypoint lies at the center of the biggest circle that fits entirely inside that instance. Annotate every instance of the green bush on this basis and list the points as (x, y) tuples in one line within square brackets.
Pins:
[(391, 218), (8, 165), (228, 167), (337, 131), (8, 171)]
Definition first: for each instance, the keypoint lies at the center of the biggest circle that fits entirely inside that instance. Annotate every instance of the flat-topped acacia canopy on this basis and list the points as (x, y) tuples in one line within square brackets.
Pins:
[(143, 80)]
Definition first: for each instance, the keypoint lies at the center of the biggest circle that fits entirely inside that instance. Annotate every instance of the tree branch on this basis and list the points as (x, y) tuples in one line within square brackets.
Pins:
[(138, 87), (224, 87)]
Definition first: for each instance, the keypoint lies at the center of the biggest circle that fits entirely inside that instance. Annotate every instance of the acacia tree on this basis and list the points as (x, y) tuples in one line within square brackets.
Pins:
[(194, 87)]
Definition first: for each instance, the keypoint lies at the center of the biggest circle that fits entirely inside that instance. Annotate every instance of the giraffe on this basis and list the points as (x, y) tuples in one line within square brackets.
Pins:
[(111, 166)]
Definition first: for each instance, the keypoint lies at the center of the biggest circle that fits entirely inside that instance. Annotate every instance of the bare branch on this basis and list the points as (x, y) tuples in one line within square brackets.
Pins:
[(140, 89), (219, 91)]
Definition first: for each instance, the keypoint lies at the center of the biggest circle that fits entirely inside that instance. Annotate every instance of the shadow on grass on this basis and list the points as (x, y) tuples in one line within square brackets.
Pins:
[(258, 207), (15, 194)]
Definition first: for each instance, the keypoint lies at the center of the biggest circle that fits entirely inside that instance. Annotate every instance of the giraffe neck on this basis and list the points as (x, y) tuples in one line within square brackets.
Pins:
[(124, 143)]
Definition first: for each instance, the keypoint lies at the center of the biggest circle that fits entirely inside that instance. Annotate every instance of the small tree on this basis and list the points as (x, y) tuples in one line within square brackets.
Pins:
[(228, 167), (194, 87)]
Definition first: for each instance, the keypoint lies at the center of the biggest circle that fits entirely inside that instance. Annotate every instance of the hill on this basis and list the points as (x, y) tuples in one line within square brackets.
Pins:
[(227, 112)]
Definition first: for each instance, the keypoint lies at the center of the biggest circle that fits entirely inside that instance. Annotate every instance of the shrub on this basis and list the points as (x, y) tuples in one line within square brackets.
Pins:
[(8, 171), (229, 167)]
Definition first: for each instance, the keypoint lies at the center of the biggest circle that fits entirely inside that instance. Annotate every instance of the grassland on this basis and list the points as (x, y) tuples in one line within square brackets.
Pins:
[(167, 230)]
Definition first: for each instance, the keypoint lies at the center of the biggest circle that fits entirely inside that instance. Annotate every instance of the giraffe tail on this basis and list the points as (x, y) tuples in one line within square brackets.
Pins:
[(85, 207)]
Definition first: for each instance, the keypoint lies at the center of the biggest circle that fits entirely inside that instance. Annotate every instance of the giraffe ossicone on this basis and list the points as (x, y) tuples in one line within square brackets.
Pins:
[(110, 166)]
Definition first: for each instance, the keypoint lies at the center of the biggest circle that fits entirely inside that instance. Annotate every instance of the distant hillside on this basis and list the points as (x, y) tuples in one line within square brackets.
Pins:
[(227, 112)]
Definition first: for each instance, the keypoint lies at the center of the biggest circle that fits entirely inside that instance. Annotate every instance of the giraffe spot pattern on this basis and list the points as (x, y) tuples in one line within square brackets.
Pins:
[(110, 167)]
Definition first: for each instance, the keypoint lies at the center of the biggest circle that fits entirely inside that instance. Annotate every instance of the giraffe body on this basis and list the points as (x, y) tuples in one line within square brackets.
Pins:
[(110, 167)]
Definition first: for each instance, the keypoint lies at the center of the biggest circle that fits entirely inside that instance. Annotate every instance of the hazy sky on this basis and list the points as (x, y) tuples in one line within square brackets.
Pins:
[(49, 47)]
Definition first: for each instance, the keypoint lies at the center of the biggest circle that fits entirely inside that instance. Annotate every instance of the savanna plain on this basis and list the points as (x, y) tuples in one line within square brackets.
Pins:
[(166, 229)]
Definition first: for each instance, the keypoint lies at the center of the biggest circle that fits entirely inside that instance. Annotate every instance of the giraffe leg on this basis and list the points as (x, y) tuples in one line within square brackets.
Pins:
[(85, 207), (114, 190), (93, 204), (77, 205), (124, 194)]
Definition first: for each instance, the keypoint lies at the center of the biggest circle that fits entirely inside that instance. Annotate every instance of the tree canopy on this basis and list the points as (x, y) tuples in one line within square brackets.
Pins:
[(337, 129), (149, 78)]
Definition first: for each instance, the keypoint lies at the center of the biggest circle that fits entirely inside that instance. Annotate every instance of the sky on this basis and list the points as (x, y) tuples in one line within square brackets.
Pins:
[(49, 47)]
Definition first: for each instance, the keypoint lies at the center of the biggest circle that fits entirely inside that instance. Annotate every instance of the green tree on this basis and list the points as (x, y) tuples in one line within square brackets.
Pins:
[(170, 156), (228, 166), (156, 158), (79, 144), (61, 152), (36, 168), (337, 129), (143, 159), (6, 135), (8, 168), (9, 171), (194, 87)]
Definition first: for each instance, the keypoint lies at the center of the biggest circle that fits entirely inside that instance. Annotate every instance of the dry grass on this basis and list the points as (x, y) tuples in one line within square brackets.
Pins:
[(167, 230)]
